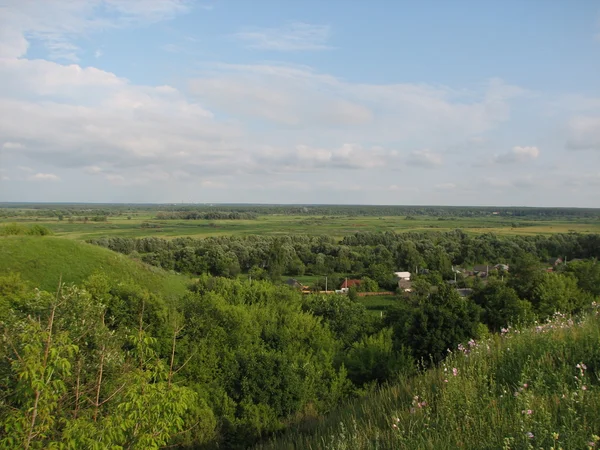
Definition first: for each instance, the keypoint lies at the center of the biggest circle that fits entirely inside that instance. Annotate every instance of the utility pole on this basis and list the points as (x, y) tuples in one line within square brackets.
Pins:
[(326, 285)]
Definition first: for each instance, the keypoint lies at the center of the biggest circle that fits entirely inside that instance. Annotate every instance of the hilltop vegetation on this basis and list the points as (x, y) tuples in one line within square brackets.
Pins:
[(530, 388), (44, 260)]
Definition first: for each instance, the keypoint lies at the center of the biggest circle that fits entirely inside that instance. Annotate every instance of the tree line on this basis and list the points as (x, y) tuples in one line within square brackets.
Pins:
[(73, 209), (375, 255)]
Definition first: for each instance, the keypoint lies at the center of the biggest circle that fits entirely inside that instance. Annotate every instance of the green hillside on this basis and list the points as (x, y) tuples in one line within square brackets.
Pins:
[(42, 261), (535, 388)]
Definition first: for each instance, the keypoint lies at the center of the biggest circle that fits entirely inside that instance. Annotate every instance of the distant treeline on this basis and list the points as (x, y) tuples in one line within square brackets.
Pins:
[(54, 210), (376, 255), (206, 215)]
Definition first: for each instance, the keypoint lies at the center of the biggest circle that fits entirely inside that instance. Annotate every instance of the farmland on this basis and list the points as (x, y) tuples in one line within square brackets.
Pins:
[(142, 223)]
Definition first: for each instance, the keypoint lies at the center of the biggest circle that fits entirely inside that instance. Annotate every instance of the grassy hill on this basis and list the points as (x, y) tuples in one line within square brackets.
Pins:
[(536, 388), (42, 260)]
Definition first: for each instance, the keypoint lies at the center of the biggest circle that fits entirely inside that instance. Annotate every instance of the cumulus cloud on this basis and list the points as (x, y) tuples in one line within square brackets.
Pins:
[(293, 36), (231, 122), (518, 155), (301, 97), (424, 158), (584, 133), (306, 158), (44, 177)]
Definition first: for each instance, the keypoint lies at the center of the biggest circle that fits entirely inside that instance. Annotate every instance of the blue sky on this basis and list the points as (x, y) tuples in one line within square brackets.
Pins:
[(381, 102)]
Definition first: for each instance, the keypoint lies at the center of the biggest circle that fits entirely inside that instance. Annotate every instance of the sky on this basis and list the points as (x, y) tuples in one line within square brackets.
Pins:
[(337, 102)]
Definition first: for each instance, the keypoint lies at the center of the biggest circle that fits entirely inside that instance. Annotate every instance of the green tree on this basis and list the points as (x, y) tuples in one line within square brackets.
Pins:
[(501, 306)]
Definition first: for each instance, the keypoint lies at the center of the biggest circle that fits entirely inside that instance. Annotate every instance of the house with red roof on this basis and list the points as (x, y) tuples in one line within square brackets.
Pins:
[(347, 284)]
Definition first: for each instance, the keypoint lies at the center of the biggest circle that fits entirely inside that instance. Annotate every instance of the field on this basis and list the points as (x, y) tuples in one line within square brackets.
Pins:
[(144, 224), (377, 304)]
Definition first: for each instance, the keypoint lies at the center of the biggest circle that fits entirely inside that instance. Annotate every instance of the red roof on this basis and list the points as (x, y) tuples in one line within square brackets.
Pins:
[(350, 283)]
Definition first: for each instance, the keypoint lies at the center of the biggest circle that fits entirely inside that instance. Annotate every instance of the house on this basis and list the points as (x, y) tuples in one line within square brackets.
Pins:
[(465, 292), (405, 285), (402, 275), (501, 267), (555, 261), (293, 283), (482, 270), (347, 284)]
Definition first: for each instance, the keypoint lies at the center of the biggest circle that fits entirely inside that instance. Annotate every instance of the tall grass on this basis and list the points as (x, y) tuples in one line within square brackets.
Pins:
[(533, 388)]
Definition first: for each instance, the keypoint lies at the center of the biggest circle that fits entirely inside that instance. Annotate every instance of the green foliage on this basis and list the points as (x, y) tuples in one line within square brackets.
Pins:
[(557, 292), (501, 306), (434, 324), (368, 285), (530, 388), (347, 319), (74, 383), (15, 229), (374, 358)]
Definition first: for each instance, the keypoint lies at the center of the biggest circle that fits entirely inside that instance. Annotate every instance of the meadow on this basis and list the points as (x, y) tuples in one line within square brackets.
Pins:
[(43, 261), (144, 223), (522, 389)]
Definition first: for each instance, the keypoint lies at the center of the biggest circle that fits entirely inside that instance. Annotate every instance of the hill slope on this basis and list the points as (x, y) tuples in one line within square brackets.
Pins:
[(42, 260), (537, 388)]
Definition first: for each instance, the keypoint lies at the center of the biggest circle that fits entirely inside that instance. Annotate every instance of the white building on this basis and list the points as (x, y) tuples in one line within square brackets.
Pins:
[(403, 275)]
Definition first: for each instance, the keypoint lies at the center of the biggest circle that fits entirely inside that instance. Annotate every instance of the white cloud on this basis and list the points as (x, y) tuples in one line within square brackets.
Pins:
[(518, 155), (305, 158), (302, 98), (92, 170), (44, 177), (57, 23), (209, 184), (294, 36), (12, 145), (424, 158), (446, 186), (584, 133)]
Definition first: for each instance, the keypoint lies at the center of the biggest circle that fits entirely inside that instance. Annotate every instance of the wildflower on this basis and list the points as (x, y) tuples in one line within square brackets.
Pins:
[(584, 388), (445, 381), (529, 434), (555, 436), (525, 385), (454, 371), (529, 412), (394, 426)]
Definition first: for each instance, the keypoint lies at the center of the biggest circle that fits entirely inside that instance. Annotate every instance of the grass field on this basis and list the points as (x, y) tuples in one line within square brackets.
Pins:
[(376, 304), (337, 226), (43, 260)]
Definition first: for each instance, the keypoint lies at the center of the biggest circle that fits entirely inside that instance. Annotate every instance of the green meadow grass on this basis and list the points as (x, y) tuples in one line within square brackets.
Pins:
[(377, 304), (337, 226), (523, 390), (43, 260)]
